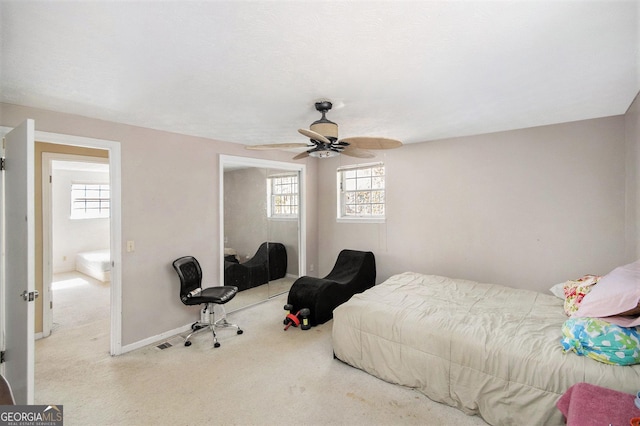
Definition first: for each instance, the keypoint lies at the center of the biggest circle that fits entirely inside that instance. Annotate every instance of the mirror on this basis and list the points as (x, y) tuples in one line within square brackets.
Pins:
[(261, 216)]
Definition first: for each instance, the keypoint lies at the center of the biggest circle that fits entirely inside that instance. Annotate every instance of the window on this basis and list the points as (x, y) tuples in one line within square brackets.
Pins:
[(282, 196), (361, 192), (89, 200)]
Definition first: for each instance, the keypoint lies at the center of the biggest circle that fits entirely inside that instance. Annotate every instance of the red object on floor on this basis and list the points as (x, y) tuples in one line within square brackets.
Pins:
[(290, 320), (584, 404)]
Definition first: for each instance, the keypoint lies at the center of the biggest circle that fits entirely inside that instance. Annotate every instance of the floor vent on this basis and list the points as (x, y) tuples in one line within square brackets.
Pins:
[(173, 341)]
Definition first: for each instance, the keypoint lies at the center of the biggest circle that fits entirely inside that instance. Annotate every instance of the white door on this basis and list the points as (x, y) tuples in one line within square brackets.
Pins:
[(18, 260)]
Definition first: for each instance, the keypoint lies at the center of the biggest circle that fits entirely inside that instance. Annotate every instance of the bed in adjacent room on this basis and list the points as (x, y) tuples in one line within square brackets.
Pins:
[(486, 349), (96, 264)]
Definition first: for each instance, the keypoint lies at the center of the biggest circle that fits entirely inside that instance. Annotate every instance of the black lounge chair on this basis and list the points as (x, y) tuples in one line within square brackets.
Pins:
[(354, 272), (269, 263)]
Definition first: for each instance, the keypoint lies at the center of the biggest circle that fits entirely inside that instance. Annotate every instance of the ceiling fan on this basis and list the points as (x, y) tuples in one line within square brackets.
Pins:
[(323, 135)]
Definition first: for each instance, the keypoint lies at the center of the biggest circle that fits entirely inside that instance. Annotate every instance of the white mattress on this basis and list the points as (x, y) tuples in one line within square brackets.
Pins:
[(485, 349), (96, 264)]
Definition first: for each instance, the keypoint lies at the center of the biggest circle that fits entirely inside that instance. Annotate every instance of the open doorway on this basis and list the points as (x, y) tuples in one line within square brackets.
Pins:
[(76, 220), (30, 163), (61, 144)]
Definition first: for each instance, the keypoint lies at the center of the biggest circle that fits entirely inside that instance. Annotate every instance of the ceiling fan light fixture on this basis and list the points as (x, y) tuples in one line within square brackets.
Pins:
[(327, 153), (324, 141)]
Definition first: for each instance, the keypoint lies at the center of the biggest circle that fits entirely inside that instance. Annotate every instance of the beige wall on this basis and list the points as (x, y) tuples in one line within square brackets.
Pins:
[(169, 208), (632, 137), (526, 208)]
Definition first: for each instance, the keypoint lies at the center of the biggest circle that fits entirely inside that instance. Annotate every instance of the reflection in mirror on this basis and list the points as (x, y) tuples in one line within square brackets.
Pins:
[(260, 226), (283, 213)]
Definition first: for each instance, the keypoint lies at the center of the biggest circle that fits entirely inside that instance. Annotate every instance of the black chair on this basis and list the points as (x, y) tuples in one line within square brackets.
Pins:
[(192, 293), (353, 272), (269, 263)]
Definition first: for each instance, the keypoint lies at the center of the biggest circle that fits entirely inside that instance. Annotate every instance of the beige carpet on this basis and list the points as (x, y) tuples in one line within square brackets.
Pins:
[(258, 294), (264, 377), (78, 299)]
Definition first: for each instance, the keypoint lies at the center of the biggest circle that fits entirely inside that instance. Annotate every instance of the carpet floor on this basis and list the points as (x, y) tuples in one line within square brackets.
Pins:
[(266, 376), (78, 299)]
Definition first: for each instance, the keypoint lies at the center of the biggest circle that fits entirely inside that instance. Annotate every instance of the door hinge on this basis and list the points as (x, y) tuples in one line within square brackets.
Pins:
[(2, 356), (2, 163), (30, 296)]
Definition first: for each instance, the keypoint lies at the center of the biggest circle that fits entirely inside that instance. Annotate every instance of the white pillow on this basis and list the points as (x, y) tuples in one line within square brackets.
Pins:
[(558, 291)]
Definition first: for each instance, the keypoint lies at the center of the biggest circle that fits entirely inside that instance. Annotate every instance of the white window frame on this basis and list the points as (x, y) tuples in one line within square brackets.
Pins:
[(271, 195), (341, 180), (79, 214)]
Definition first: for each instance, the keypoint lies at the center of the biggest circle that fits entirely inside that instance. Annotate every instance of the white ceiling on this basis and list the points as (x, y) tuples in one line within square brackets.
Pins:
[(250, 71)]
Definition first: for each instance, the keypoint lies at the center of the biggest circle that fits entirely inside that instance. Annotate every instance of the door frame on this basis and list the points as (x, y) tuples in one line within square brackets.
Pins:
[(115, 225), (232, 160), (47, 230)]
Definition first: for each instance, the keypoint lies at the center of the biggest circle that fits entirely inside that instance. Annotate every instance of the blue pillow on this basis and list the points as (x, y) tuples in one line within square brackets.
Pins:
[(601, 340)]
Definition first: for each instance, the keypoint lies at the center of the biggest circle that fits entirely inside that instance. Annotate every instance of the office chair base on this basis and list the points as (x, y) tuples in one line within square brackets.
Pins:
[(212, 325)]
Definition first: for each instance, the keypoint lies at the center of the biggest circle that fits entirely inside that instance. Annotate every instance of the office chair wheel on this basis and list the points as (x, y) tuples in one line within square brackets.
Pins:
[(187, 343), (240, 331), (216, 345), (196, 327)]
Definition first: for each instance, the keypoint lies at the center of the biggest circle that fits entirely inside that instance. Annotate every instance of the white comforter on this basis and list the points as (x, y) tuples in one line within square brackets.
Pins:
[(483, 348)]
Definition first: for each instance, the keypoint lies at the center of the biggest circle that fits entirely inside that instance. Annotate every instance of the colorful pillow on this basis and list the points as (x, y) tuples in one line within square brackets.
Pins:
[(575, 291), (602, 341), (616, 293)]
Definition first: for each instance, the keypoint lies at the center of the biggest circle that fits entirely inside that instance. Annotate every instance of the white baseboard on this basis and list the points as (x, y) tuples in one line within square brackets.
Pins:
[(153, 339), (142, 343)]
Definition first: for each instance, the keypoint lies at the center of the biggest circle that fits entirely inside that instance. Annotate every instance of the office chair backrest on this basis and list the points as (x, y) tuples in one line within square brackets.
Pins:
[(190, 274)]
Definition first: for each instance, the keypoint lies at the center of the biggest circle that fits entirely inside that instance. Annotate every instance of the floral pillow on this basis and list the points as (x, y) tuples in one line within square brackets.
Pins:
[(601, 340), (575, 290)]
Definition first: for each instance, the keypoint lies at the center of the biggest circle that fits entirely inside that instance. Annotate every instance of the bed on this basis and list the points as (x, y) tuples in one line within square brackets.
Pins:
[(486, 349), (96, 264)]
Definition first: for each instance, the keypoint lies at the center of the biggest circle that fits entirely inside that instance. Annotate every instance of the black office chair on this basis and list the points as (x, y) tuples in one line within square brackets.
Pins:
[(192, 293)]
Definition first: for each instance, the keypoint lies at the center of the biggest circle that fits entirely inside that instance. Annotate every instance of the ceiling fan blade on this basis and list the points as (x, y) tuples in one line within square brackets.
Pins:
[(364, 142), (276, 146), (314, 136), (301, 155), (357, 152)]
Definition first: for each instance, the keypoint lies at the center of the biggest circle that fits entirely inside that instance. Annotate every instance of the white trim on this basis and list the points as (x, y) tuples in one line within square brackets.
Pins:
[(360, 166), (356, 219), (115, 165), (47, 230), (153, 339), (231, 160)]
